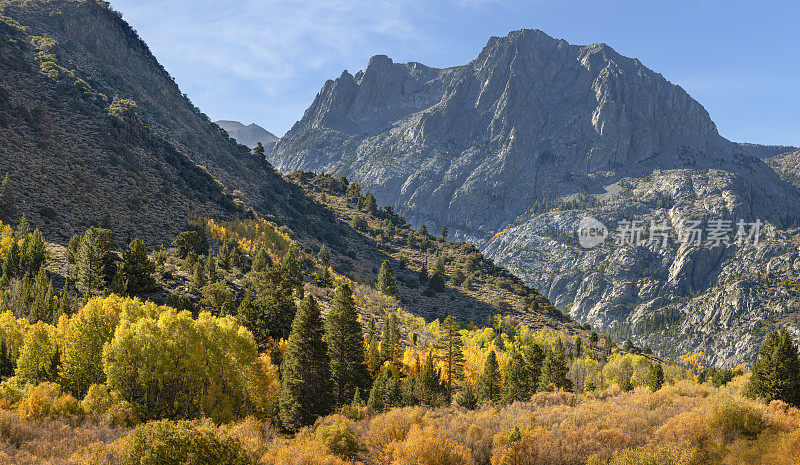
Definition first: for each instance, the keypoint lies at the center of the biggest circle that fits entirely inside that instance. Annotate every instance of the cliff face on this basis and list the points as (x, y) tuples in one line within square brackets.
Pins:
[(536, 133)]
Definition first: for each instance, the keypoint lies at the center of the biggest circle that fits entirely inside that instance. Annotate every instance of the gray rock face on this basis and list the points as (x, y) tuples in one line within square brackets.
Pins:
[(249, 135), (534, 134)]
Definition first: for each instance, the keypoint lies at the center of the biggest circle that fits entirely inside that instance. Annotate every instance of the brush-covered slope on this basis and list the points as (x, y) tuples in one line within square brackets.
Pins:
[(94, 127)]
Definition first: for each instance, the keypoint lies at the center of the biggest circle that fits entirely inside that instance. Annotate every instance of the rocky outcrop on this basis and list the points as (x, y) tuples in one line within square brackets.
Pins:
[(533, 135)]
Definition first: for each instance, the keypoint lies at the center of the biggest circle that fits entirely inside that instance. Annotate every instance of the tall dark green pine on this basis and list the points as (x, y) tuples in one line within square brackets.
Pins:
[(370, 204), (534, 357), (290, 268), (390, 339), (656, 377), (387, 284), (345, 340), (305, 371), (137, 268), (776, 373), (489, 383), (211, 267), (554, 370), (6, 365), (452, 346), (43, 307), (374, 361), (429, 388), (516, 387)]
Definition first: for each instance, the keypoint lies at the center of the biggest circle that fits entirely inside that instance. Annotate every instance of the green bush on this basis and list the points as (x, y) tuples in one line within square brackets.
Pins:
[(182, 443)]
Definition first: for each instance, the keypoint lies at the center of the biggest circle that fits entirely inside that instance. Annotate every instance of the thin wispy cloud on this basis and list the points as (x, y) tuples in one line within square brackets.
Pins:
[(263, 61)]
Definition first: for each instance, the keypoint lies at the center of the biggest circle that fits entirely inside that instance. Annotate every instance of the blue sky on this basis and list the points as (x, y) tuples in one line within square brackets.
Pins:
[(264, 61)]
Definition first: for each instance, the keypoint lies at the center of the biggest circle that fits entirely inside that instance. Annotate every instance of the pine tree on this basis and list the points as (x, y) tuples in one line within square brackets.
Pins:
[(290, 269), (517, 375), (198, 276), (429, 384), (345, 346), (43, 307), (452, 346), (554, 370), (776, 373), (261, 260), (656, 377), (466, 396), (489, 383), (32, 253), (211, 268), (534, 357), (370, 204), (259, 151), (390, 339), (305, 371), (444, 233), (324, 254), (423, 273), (387, 284), (64, 304), (374, 361), (95, 264), (137, 268), (6, 365), (385, 393)]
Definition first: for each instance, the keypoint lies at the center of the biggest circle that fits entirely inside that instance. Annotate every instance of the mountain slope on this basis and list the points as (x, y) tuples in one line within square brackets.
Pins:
[(248, 135), (534, 134), (75, 156)]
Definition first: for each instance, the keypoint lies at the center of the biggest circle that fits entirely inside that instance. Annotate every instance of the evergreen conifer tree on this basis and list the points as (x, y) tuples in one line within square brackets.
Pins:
[(489, 383), (390, 339), (137, 268), (452, 346), (305, 371), (517, 380), (211, 268), (6, 365), (345, 340), (429, 384), (776, 373), (656, 377), (387, 283), (554, 369)]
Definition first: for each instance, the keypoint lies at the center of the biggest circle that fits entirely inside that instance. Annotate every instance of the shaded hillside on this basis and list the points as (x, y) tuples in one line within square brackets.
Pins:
[(65, 62), (76, 156)]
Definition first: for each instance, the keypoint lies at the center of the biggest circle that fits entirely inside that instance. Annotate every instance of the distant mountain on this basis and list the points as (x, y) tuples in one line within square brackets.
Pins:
[(511, 150), (249, 135)]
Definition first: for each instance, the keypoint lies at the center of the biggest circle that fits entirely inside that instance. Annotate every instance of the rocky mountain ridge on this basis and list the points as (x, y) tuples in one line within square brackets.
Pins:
[(511, 150)]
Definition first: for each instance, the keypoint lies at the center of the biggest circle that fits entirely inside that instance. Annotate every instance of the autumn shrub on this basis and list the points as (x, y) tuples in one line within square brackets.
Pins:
[(734, 418), (427, 446), (100, 402), (300, 451), (12, 390), (47, 400), (652, 455), (182, 443), (338, 435), (524, 446), (390, 427)]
